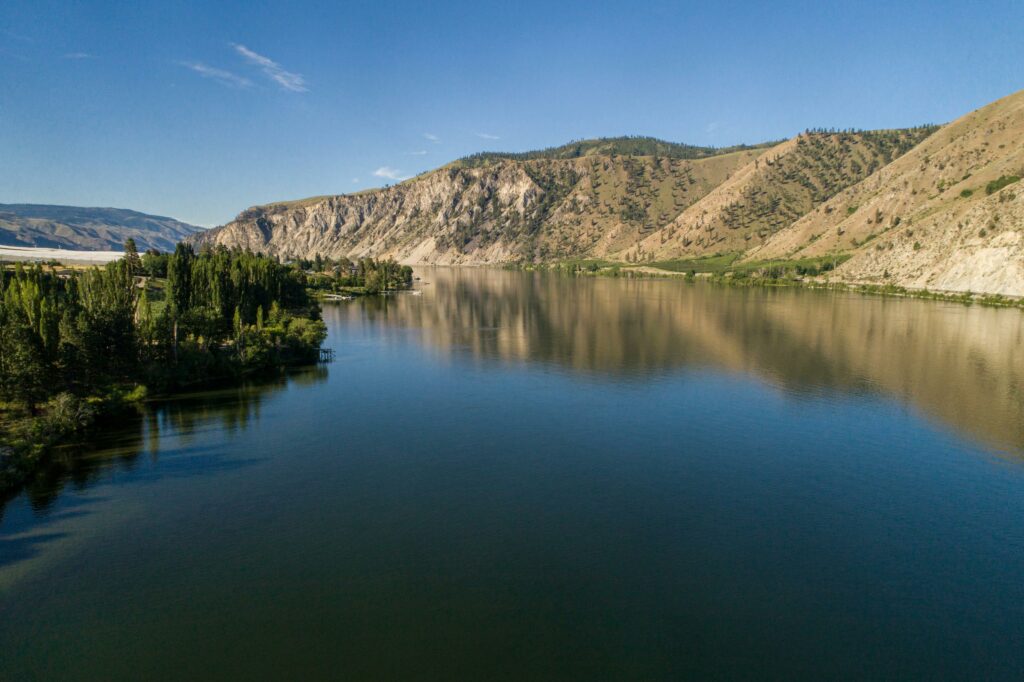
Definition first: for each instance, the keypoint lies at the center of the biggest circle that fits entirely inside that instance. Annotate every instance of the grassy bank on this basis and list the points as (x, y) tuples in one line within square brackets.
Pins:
[(727, 270), (728, 264)]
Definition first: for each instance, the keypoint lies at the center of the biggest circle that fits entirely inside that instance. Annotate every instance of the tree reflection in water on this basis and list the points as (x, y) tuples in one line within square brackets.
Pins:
[(118, 442)]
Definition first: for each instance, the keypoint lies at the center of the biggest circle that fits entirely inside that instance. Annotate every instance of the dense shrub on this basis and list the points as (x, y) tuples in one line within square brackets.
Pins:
[(1001, 182)]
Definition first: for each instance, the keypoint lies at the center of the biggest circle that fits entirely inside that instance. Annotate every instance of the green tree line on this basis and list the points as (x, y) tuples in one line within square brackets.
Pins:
[(75, 343), (372, 275)]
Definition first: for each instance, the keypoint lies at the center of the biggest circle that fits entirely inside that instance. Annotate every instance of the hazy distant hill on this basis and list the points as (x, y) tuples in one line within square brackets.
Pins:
[(931, 206), (92, 229)]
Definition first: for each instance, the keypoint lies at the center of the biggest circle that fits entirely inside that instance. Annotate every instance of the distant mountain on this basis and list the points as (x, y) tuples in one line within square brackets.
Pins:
[(89, 229), (932, 206)]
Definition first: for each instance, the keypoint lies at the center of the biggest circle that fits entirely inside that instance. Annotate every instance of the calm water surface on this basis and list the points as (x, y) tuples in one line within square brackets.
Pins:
[(515, 476)]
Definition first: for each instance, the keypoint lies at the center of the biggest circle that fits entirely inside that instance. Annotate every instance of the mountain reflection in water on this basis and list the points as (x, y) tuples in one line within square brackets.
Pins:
[(526, 476), (962, 365)]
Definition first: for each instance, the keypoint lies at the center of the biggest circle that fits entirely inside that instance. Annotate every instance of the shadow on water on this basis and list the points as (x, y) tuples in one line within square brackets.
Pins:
[(16, 546), (129, 444), (21, 548)]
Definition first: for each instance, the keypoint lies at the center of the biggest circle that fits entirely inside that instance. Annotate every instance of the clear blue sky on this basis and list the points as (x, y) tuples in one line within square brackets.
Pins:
[(200, 109)]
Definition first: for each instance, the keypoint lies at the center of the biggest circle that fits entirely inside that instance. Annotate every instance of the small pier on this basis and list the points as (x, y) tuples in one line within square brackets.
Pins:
[(326, 355)]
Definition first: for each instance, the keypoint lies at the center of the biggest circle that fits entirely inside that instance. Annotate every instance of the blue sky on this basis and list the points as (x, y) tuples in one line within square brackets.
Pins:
[(200, 109)]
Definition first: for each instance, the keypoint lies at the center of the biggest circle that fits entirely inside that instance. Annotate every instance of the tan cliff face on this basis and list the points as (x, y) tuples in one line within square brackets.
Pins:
[(503, 211), (407, 221), (910, 206), (597, 206), (979, 249)]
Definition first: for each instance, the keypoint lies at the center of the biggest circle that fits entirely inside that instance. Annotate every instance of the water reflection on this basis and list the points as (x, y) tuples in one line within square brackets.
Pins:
[(120, 442), (962, 365), (518, 463)]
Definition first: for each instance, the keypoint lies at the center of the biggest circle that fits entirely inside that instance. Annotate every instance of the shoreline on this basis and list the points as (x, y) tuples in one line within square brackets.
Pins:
[(727, 278), (36, 437)]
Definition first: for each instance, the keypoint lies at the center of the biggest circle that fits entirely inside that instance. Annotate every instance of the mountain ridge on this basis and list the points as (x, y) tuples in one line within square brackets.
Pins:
[(500, 211), (88, 228), (820, 192), (623, 145)]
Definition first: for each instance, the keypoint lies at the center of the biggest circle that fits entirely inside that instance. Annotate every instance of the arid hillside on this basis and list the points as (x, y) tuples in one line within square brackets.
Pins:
[(926, 207), (492, 209), (621, 199), (781, 186), (948, 215)]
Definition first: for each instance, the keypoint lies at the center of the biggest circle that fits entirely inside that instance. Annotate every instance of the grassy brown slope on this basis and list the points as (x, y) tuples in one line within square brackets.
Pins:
[(619, 200), (775, 190), (926, 220), (963, 155)]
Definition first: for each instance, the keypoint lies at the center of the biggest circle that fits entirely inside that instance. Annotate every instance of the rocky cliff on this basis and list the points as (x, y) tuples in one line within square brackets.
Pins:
[(491, 211)]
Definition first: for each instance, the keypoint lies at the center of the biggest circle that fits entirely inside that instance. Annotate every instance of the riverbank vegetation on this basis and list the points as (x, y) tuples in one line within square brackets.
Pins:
[(365, 276), (727, 265), (728, 270), (77, 345)]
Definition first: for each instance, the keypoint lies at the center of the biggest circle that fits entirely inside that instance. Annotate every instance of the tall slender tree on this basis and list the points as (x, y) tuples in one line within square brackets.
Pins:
[(131, 257)]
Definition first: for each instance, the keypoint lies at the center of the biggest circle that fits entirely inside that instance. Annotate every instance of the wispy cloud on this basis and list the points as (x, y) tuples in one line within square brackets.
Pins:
[(418, 152), (79, 55), (355, 181), (712, 127), (432, 137), (487, 136), (220, 75), (389, 173), (272, 70)]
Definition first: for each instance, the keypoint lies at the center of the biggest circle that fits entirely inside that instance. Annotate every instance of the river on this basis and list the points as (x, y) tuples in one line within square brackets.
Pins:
[(524, 476)]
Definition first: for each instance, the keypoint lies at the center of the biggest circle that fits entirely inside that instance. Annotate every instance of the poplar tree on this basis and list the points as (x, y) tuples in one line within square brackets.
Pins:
[(131, 257)]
